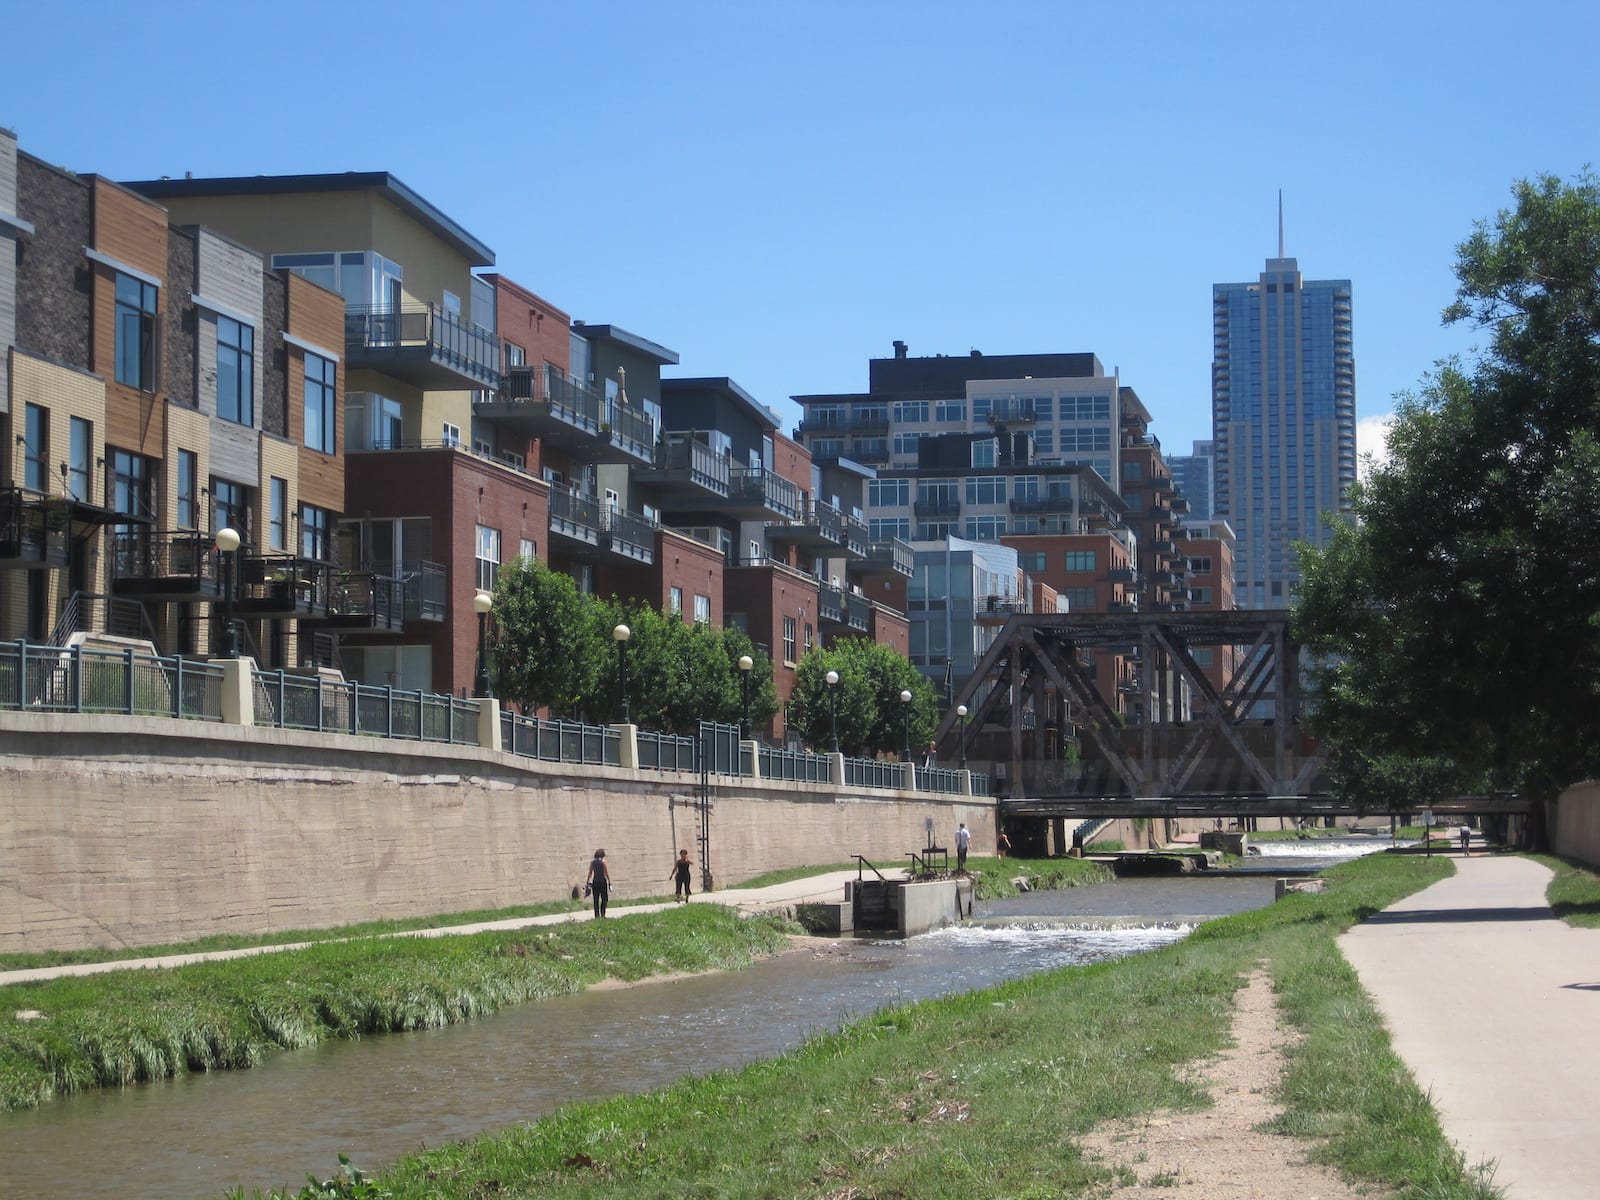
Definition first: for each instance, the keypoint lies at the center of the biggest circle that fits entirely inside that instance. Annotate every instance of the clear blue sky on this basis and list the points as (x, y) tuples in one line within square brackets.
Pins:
[(778, 192)]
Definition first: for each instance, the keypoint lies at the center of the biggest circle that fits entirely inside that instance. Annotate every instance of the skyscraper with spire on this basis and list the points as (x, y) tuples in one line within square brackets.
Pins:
[(1283, 418)]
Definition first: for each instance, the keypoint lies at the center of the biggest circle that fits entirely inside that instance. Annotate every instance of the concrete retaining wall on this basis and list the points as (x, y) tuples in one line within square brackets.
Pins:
[(130, 831), (1576, 830)]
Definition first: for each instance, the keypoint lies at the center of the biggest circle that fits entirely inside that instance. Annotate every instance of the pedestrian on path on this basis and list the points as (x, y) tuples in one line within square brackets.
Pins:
[(1466, 839), (680, 877), (599, 883), (963, 839), (1002, 844)]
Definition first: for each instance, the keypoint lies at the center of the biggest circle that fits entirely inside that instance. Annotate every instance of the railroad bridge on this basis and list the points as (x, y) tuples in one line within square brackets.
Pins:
[(1039, 723)]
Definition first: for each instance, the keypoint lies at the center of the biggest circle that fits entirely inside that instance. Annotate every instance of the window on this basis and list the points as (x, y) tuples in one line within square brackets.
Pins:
[(985, 529), (136, 333), (985, 453), (1135, 502), (1200, 564), (827, 447), (320, 376), (79, 452), (1200, 595), (1201, 656), (230, 507), (1031, 560), (870, 449), (451, 434), (1132, 470), (675, 602), (1079, 599), (373, 422), (986, 489), (811, 638), (911, 411), (277, 514), (906, 443), (36, 449), (950, 410), (236, 371), (788, 639), (488, 557), (888, 493), (881, 529), (188, 479), (702, 609), (528, 549), (316, 533), (1080, 560)]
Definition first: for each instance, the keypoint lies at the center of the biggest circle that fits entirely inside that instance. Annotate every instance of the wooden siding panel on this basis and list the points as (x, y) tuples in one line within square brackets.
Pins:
[(130, 228)]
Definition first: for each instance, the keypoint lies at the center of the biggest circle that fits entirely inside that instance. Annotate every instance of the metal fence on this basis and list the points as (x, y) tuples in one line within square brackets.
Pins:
[(667, 751), (794, 765), (939, 779), (293, 701), (85, 679), (874, 773), (560, 741)]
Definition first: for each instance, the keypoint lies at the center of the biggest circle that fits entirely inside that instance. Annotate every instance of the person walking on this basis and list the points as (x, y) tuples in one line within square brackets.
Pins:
[(963, 840), (1466, 839), (680, 877), (599, 883), (1002, 844)]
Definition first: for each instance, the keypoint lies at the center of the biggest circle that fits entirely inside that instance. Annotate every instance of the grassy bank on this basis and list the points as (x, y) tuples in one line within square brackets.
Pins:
[(128, 1026), (983, 1094), (1574, 893), (992, 877)]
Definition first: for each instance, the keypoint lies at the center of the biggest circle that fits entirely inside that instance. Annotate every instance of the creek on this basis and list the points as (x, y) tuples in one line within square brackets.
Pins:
[(383, 1097)]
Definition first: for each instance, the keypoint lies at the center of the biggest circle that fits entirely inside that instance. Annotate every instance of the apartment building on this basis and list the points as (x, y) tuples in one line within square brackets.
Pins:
[(162, 384)]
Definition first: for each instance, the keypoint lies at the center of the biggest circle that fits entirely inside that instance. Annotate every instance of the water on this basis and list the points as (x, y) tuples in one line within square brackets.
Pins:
[(384, 1097)]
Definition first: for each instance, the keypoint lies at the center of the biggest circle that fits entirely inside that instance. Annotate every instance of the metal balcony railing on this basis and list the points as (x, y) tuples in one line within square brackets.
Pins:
[(378, 335), (760, 486), (830, 604)]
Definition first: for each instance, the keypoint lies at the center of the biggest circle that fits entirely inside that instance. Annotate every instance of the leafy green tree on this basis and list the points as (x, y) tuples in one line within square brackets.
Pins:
[(871, 715), (1458, 614), (763, 694), (549, 651)]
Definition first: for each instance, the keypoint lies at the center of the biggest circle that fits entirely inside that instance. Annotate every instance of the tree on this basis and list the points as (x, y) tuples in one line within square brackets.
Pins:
[(763, 695), (1458, 613), (871, 715), (549, 649)]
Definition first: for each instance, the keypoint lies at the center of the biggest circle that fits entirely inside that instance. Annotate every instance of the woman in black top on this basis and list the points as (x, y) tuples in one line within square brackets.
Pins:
[(680, 877), (599, 882)]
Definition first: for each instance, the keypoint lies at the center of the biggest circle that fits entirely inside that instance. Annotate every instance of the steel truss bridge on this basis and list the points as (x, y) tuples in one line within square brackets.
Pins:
[(1197, 752)]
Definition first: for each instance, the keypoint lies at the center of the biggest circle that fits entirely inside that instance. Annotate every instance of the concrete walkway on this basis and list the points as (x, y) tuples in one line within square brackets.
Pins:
[(1494, 1003), (829, 886)]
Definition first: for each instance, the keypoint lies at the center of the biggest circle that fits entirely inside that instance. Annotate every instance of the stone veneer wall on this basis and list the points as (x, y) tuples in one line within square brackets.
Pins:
[(1576, 831), (129, 831)]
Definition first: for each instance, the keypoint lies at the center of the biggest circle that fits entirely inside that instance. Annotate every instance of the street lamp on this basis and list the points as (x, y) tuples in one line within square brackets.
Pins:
[(833, 705), (961, 711), (905, 703), (228, 543), (622, 633), (745, 663), (482, 603)]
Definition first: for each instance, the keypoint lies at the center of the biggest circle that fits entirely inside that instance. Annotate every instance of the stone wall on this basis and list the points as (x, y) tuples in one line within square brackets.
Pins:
[(130, 831), (1575, 832)]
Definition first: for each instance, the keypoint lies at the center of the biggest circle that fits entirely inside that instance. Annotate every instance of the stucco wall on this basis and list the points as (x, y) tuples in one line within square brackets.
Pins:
[(1576, 831), (143, 832)]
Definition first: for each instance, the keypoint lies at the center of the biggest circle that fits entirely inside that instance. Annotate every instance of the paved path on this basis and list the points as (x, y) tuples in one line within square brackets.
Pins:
[(829, 886), (1494, 1004)]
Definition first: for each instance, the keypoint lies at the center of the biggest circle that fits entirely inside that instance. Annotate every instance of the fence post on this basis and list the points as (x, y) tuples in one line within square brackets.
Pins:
[(627, 746), (127, 681), (177, 688), (489, 723), (836, 768), (753, 748), (22, 674), (77, 678), (388, 710), (319, 702), (966, 783), (238, 697)]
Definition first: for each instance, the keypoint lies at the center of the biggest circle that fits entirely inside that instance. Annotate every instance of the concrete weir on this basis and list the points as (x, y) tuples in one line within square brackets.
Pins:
[(892, 907)]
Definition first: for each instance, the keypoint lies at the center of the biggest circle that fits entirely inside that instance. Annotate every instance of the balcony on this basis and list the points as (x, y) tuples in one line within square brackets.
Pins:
[(754, 492), (830, 605), (1122, 575), (629, 535), (687, 472), (891, 557), (992, 609), (364, 600), (1004, 410), (35, 531), (422, 590), (166, 565), (1160, 483), (819, 528), (1123, 607), (1165, 547), (546, 403), (421, 345), (857, 613), (575, 517), (1042, 504), (1180, 504), (948, 505), (283, 586)]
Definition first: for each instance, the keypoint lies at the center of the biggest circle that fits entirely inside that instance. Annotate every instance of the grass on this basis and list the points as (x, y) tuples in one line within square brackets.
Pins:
[(983, 1094), (788, 874), (1574, 892), (125, 1027), (992, 876)]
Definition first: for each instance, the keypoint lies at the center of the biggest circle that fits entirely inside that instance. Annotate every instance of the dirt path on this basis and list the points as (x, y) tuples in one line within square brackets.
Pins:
[(1218, 1154)]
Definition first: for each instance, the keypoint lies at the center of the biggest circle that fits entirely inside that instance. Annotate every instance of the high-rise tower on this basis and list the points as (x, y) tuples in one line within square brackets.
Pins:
[(1283, 417)]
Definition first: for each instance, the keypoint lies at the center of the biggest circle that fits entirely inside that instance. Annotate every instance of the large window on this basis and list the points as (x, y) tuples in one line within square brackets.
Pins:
[(888, 493), (320, 377), (1079, 599), (881, 529), (488, 557), (36, 449), (788, 639), (230, 507), (950, 410), (985, 529), (79, 453), (675, 602), (702, 609), (136, 333), (986, 489), (278, 514), (188, 482), (911, 411), (906, 443), (316, 533), (236, 371), (1080, 560)]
